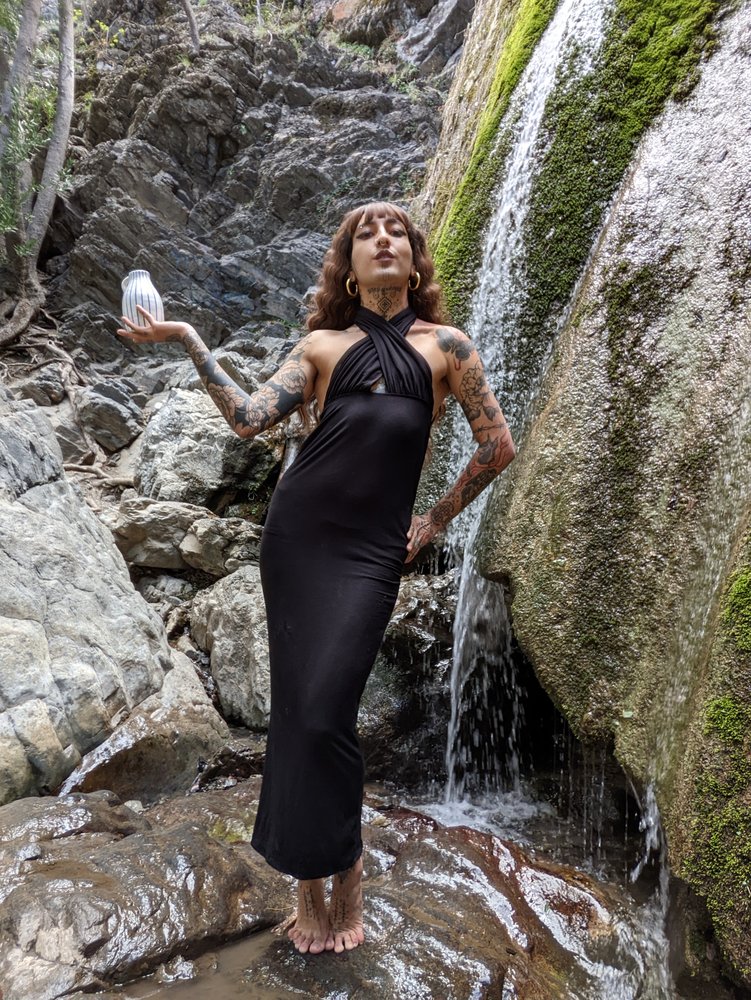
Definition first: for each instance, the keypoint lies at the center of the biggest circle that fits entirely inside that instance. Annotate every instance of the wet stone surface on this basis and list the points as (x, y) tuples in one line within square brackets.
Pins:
[(97, 894)]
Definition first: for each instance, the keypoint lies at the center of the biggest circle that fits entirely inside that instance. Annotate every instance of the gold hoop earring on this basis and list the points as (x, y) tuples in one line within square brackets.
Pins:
[(352, 295), (413, 288)]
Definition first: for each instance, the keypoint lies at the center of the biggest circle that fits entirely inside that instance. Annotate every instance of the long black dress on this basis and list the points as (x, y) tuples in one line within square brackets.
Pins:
[(332, 550)]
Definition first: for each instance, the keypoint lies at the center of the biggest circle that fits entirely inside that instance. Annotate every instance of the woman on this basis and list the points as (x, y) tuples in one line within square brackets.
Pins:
[(379, 362)]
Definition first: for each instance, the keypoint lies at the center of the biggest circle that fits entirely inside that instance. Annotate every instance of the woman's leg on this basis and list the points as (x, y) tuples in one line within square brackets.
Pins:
[(311, 930), (345, 908)]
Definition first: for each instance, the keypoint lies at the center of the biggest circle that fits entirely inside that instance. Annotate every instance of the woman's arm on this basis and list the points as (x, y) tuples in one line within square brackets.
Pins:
[(247, 413), (495, 448)]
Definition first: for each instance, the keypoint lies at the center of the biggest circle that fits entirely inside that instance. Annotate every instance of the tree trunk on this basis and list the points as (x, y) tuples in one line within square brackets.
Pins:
[(17, 79), (53, 163), (30, 301), (193, 26)]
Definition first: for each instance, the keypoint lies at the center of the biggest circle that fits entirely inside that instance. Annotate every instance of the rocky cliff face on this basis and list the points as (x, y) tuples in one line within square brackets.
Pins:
[(223, 173), (622, 524)]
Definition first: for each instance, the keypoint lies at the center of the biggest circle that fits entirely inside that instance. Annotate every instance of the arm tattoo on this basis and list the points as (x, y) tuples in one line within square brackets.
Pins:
[(460, 347), (250, 413), (495, 448), (474, 392)]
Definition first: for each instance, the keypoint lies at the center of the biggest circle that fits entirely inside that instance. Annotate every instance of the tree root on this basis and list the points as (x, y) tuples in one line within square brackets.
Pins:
[(28, 305), (93, 470)]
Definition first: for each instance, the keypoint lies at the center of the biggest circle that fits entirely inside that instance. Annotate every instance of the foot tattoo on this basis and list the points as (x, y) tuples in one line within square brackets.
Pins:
[(311, 930), (345, 908)]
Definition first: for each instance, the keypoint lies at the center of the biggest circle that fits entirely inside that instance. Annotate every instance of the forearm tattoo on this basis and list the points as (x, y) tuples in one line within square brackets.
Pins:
[(250, 413), (495, 449)]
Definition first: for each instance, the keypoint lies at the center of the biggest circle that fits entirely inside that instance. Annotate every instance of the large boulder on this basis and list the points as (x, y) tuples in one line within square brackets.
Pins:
[(191, 455), (626, 510), (161, 746), (80, 648), (228, 621)]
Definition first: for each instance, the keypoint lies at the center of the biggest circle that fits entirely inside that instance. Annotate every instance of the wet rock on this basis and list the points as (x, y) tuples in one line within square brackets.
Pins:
[(228, 621), (80, 648), (447, 911), (189, 453), (238, 759), (406, 702), (123, 908), (109, 412), (160, 748)]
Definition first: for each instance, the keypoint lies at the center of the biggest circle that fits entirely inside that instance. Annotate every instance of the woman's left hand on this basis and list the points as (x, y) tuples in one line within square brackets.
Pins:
[(422, 530)]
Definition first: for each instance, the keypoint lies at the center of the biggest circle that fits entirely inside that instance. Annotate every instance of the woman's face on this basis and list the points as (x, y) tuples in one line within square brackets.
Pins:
[(381, 252)]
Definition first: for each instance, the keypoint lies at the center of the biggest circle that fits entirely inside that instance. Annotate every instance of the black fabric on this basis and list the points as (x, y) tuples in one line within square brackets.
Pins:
[(331, 555)]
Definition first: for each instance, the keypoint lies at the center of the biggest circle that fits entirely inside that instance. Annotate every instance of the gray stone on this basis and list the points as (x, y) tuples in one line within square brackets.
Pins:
[(80, 648), (189, 453), (44, 386), (432, 42), (221, 545), (157, 750), (150, 532), (109, 412), (228, 621)]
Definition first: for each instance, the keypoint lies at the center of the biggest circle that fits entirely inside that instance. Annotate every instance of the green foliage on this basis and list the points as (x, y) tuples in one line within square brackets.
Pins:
[(736, 611), (10, 15), (278, 17), (29, 130), (99, 37)]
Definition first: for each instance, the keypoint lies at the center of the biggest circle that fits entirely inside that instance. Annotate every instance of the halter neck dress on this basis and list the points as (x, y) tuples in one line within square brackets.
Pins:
[(332, 549)]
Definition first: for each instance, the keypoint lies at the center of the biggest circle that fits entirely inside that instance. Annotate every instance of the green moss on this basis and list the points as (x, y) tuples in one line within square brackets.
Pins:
[(736, 610), (718, 866), (232, 831), (590, 131), (457, 247), (591, 128), (727, 719)]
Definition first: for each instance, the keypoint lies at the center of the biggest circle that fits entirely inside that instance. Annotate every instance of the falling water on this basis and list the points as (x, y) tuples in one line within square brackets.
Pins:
[(482, 744)]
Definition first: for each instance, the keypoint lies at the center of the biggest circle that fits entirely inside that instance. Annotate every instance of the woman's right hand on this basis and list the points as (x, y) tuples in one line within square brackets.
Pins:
[(154, 331)]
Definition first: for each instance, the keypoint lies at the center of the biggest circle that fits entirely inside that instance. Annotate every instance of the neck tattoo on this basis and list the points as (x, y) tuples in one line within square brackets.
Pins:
[(384, 300)]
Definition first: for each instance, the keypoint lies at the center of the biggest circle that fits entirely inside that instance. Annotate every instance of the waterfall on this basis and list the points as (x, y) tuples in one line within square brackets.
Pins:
[(481, 750)]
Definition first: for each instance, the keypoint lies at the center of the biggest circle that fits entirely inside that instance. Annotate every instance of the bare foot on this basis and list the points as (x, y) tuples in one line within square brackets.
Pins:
[(311, 930), (345, 908)]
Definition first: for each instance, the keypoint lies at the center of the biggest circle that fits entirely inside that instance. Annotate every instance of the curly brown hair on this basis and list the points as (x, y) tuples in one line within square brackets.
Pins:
[(331, 307)]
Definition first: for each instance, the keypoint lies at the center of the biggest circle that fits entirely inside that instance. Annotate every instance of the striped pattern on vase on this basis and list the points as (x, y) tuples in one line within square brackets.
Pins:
[(138, 290)]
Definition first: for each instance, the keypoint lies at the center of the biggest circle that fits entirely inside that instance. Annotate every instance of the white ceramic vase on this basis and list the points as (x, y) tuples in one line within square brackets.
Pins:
[(138, 290)]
